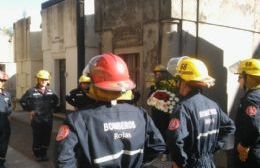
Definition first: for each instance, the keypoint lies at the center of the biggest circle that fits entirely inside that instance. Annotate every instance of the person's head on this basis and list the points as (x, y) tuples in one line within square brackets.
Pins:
[(43, 78), (248, 71), (110, 77), (3, 79), (159, 71), (192, 74), (84, 81)]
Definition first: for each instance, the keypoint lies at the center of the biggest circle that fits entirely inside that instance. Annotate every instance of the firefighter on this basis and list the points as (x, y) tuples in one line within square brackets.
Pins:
[(247, 136), (162, 79), (41, 102), (198, 127), (5, 111), (78, 97), (111, 133)]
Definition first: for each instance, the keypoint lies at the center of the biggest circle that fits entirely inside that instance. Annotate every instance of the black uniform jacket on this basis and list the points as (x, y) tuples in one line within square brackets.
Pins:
[(78, 98), (43, 104), (197, 129), (5, 104), (119, 136), (248, 124)]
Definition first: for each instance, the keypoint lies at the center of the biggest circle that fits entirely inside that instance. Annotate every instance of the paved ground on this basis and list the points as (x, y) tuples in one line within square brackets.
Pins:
[(20, 147), (20, 154)]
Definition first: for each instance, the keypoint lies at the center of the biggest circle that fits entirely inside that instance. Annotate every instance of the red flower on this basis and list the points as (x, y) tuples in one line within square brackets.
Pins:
[(163, 100), (161, 96)]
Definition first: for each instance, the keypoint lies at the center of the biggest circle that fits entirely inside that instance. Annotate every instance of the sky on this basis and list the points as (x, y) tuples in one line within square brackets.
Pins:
[(13, 10)]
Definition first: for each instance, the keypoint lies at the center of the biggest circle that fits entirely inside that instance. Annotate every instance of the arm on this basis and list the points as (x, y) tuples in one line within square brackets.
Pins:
[(250, 130), (70, 98), (9, 105), (24, 101), (67, 142), (177, 132), (55, 101), (226, 128), (154, 144)]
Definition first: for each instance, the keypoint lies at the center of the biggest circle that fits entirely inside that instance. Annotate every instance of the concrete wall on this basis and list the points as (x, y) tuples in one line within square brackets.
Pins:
[(59, 42), (28, 55)]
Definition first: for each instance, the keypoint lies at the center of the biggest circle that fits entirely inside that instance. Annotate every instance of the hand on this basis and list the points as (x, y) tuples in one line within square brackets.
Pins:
[(174, 165), (32, 114), (242, 152)]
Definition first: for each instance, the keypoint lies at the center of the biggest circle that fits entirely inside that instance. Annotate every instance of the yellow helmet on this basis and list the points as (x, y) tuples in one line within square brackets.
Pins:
[(84, 78), (191, 69), (159, 68), (249, 66), (43, 74), (128, 95)]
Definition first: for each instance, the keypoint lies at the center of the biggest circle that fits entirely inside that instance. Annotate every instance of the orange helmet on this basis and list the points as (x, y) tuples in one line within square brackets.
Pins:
[(3, 76), (109, 72)]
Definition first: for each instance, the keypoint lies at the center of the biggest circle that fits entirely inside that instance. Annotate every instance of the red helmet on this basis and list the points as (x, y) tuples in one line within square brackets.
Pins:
[(109, 72), (3, 76)]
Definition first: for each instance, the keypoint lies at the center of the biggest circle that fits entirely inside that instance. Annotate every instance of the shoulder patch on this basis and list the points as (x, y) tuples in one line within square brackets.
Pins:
[(63, 132), (174, 124), (251, 111)]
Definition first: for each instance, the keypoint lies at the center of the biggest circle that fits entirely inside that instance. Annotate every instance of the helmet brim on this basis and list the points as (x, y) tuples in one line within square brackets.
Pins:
[(234, 68), (209, 81)]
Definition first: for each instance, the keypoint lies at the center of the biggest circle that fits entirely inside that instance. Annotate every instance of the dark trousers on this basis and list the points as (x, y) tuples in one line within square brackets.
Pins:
[(41, 136), (4, 137), (161, 121)]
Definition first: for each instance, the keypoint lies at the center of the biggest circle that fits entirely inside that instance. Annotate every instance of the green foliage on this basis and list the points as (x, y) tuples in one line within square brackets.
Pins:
[(8, 31)]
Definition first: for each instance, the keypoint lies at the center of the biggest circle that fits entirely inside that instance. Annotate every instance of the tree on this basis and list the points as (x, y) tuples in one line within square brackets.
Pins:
[(8, 31)]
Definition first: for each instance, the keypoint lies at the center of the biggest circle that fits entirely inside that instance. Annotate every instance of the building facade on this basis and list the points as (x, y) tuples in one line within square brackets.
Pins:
[(144, 33), (67, 37)]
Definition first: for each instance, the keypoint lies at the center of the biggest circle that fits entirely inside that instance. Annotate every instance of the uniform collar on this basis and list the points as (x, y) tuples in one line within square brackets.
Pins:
[(192, 93)]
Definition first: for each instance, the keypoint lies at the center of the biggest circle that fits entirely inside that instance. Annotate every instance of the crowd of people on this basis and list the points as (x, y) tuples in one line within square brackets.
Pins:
[(109, 129)]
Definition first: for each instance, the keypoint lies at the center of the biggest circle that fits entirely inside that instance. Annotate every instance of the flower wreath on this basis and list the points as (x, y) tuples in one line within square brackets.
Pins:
[(163, 100)]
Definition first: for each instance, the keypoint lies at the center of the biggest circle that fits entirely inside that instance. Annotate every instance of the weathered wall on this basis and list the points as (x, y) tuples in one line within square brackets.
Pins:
[(130, 27), (59, 41), (28, 55)]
